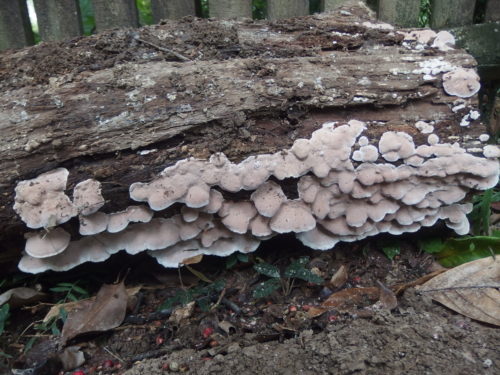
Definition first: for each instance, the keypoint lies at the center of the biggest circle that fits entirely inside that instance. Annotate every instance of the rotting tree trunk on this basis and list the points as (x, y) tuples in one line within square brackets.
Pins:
[(240, 88)]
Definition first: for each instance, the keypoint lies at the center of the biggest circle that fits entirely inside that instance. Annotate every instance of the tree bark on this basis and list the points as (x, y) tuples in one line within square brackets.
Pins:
[(240, 88)]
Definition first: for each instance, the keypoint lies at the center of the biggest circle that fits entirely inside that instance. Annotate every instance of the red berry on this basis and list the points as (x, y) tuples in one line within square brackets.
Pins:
[(108, 363), (332, 318), (159, 340), (207, 332), (79, 372), (306, 307), (292, 308)]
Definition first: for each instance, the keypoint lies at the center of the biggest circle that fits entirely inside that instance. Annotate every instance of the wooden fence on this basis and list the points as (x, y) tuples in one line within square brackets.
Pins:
[(61, 19)]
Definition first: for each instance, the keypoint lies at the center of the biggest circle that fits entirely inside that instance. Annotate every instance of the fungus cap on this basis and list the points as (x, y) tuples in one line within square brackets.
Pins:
[(461, 82), (44, 245), (293, 216), (42, 203), (87, 197)]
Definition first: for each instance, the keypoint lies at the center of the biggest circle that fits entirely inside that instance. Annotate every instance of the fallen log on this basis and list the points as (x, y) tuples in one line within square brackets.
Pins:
[(121, 106)]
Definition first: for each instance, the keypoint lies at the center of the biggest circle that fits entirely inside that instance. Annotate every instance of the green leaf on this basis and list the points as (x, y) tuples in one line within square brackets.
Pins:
[(231, 261), (63, 314), (457, 251), (243, 258), (265, 288), (297, 270), (80, 290), (304, 274), (29, 344), (267, 270), (60, 289), (391, 248), (4, 315), (431, 245)]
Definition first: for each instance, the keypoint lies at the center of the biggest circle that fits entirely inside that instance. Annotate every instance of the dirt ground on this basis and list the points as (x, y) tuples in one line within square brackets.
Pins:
[(277, 334)]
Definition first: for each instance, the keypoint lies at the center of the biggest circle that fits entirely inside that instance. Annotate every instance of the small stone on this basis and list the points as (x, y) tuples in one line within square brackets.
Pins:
[(487, 363), (173, 366)]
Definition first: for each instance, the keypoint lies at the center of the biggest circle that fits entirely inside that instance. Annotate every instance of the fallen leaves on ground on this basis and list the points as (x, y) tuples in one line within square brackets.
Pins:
[(17, 297), (339, 278), (55, 310), (470, 289), (107, 311)]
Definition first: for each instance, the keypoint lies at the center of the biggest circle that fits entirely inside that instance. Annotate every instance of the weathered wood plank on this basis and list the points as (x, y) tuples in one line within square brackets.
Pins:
[(451, 13), (58, 19), (332, 4), (483, 42), (172, 9), (492, 10), (230, 8), (399, 12), (277, 9), (15, 26), (116, 13)]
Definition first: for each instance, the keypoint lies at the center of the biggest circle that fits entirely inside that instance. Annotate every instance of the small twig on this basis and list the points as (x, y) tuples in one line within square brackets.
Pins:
[(221, 296), (164, 49), (460, 288), (113, 354), (230, 305)]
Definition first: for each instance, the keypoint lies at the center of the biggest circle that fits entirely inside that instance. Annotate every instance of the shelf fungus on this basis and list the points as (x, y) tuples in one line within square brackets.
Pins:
[(335, 186)]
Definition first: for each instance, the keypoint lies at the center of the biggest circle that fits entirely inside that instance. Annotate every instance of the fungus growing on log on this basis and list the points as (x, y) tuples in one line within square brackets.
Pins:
[(346, 199), (392, 157)]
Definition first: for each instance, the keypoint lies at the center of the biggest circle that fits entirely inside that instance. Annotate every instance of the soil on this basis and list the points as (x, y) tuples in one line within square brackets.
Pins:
[(277, 334)]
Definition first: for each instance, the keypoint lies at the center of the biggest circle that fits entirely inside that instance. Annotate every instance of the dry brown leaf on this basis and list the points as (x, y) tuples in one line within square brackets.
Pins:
[(347, 299), (400, 288), (470, 289), (20, 296), (70, 306), (107, 311), (71, 357), (387, 299), (182, 313), (316, 311), (193, 260), (339, 278)]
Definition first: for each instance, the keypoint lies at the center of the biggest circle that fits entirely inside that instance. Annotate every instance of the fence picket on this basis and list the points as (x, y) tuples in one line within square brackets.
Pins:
[(332, 4), (116, 13), (493, 10), (399, 12), (277, 9), (230, 8), (15, 26), (172, 9), (58, 19), (451, 13)]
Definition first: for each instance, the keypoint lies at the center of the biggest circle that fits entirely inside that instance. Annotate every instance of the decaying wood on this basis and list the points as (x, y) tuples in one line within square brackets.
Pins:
[(91, 104)]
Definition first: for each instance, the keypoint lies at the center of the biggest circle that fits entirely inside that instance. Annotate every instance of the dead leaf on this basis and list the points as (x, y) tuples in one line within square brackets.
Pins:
[(72, 357), (193, 260), (315, 311), (470, 289), (181, 313), (70, 306), (347, 299), (400, 288), (17, 297), (339, 278), (107, 311), (387, 299)]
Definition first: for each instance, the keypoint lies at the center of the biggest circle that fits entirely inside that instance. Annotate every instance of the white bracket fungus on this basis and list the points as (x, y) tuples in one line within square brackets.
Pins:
[(42, 203), (461, 82), (347, 190)]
